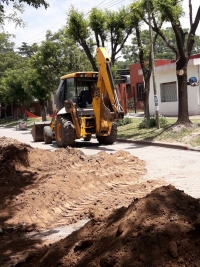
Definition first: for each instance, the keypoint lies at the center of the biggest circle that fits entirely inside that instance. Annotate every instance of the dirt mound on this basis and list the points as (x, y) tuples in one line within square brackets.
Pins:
[(42, 189), (161, 229), (48, 186)]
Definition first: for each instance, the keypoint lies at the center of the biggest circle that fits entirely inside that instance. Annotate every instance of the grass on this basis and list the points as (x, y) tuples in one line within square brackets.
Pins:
[(11, 122), (167, 133)]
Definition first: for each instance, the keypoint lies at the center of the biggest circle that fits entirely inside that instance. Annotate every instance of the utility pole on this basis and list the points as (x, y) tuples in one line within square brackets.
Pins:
[(153, 68)]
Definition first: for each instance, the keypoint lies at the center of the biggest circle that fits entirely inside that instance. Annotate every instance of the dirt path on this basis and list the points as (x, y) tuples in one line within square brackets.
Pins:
[(41, 190)]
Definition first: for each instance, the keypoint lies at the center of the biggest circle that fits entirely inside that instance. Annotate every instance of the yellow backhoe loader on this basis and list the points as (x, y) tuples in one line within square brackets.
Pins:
[(87, 104)]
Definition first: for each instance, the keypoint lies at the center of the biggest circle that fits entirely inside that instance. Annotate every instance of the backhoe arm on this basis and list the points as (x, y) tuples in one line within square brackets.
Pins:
[(106, 104)]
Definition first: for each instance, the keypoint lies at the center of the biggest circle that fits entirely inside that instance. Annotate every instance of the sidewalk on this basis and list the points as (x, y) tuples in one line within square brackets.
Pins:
[(157, 143), (141, 115)]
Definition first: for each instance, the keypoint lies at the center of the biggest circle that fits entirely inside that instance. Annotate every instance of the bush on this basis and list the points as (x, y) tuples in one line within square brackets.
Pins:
[(124, 121), (146, 124)]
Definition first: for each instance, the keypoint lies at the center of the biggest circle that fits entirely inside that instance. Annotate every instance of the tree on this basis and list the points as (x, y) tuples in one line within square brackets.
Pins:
[(34, 3), (171, 11), (77, 28), (57, 56), (35, 85), (7, 55), (17, 7), (12, 89), (97, 22), (9, 62), (119, 26), (27, 50), (161, 51), (121, 65), (196, 47), (109, 26), (141, 48)]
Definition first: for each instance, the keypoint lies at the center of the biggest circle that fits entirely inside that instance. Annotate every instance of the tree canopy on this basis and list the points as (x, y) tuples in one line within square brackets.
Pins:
[(110, 27), (172, 11), (37, 68), (33, 3), (17, 6)]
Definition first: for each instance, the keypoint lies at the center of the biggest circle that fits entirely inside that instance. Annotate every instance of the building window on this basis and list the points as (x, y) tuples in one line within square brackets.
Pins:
[(128, 88), (140, 91), (168, 92)]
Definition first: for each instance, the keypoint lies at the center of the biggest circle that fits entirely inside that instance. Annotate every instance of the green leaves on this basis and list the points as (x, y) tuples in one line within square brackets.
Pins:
[(17, 6), (77, 25), (97, 22), (56, 56)]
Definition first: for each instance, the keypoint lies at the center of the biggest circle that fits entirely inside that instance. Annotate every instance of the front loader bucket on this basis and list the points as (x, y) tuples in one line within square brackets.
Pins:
[(37, 130)]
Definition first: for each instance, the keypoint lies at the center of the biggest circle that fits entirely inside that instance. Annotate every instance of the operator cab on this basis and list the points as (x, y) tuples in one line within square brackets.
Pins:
[(77, 87)]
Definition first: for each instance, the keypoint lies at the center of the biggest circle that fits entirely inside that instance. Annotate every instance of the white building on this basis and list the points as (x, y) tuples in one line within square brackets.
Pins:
[(167, 88)]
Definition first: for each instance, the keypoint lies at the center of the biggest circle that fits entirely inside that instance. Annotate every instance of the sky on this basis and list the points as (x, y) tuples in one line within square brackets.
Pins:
[(40, 20)]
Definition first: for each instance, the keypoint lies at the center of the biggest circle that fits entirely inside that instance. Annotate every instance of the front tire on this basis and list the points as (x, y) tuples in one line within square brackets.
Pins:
[(47, 133), (110, 139), (64, 132)]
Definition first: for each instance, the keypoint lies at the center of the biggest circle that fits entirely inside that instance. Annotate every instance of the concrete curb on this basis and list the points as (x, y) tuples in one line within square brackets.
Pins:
[(161, 144)]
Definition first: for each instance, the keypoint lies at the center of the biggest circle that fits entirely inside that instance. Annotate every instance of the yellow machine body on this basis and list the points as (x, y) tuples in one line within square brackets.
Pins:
[(87, 104)]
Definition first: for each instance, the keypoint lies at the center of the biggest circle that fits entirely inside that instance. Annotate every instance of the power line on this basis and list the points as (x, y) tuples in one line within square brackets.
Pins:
[(28, 42), (106, 5), (47, 29)]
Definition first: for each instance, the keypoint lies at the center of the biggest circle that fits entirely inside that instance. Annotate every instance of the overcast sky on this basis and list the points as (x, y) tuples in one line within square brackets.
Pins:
[(40, 20)]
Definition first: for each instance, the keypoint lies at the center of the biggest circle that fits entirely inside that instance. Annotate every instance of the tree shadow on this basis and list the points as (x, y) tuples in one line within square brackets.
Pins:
[(153, 133)]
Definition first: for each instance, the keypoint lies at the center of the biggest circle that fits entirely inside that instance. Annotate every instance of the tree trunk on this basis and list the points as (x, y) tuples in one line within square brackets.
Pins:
[(43, 112), (9, 112), (24, 113), (3, 111), (183, 115), (15, 111), (146, 99), (89, 55)]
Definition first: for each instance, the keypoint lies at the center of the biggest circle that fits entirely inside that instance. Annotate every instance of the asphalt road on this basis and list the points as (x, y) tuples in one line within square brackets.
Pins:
[(180, 168)]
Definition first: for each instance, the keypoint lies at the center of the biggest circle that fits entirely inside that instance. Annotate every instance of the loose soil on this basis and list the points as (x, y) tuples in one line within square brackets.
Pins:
[(133, 222)]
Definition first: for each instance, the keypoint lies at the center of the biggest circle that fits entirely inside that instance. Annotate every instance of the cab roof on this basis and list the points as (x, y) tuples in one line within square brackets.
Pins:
[(80, 74)]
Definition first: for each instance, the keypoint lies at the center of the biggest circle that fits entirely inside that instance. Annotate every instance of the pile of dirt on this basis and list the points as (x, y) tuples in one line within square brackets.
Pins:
[(160, 230), (42, 187), (129, 224)]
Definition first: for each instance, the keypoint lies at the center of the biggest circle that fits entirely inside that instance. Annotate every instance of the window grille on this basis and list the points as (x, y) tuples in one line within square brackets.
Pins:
[(168, 92), (140, 91)]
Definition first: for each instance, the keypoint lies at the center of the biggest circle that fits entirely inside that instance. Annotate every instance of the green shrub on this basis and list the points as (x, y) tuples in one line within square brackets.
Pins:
[(124, 121), (163, 120), (146, 124)]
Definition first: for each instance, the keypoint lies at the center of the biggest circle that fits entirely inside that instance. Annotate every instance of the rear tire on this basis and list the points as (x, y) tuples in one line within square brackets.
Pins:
[(110, 139), (64, 132), (47, 133)]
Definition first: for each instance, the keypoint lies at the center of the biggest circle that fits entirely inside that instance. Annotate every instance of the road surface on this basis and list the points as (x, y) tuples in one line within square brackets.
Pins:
[(180, 168)]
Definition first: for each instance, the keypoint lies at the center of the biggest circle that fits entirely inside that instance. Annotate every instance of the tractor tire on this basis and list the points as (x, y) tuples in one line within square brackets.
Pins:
[(47, 133), (110, 139), (64, 132)]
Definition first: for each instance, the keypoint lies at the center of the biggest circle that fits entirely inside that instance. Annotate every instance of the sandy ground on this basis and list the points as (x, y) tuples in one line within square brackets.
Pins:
[(131, 221)]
